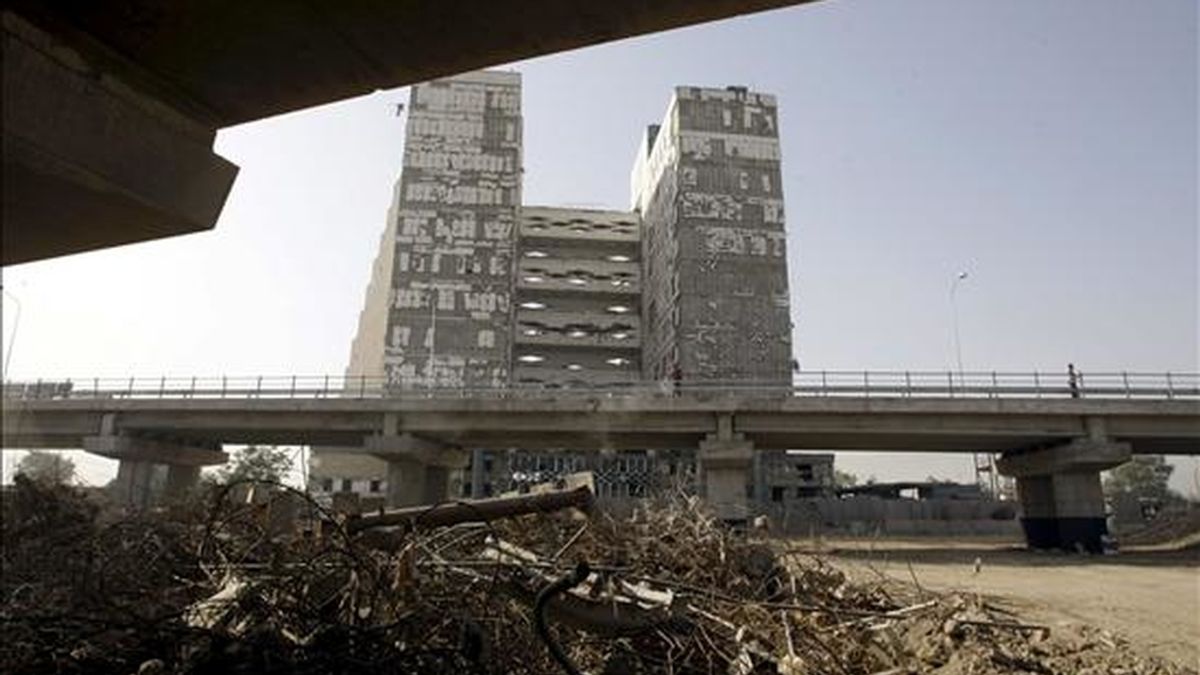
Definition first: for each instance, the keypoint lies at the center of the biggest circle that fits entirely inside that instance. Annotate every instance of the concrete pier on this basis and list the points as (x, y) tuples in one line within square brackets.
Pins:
[(139, 460), (411, 482), (418, 469), (726, 461), (181, 479), (1062, 502), (133, 485)]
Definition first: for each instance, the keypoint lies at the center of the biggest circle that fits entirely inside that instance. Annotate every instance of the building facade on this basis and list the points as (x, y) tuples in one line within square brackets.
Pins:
[(437, 311), (708, 186), (577, 299), (471, 289)]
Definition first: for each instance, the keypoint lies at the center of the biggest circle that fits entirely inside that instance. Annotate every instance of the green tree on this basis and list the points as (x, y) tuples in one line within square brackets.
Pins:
[(256, 462), (50, 468), (844, 478), (1143, 477)]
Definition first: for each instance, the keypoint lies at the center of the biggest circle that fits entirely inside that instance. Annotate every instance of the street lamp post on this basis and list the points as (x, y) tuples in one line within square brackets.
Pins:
[(12, 337), (954, 316), (984, 463)]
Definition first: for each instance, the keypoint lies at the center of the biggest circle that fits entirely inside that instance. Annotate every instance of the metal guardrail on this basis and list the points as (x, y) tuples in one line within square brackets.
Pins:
[(882, 384)]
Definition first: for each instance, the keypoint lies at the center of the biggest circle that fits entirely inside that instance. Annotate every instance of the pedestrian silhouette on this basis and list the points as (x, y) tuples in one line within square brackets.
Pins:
[(1072, 380)]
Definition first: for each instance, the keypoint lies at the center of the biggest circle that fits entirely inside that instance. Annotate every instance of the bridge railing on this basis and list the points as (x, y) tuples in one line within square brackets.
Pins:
[(881, 384)]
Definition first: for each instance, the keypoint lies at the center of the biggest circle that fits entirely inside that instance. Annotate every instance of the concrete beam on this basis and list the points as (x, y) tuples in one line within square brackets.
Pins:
[(619, 422), (1081, 454), (89, 161), (416, 448), (283, 56), (134, 449)]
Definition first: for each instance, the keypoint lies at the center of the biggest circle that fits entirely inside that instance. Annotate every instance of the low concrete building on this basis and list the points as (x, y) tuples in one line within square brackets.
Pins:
[(923, 508), (787, 476)]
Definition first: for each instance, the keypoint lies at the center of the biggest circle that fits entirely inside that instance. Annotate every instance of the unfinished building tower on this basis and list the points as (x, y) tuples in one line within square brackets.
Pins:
[(437, 310), (708, 187)]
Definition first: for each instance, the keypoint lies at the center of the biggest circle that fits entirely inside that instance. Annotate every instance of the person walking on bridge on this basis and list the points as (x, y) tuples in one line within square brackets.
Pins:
[(1073, 380)]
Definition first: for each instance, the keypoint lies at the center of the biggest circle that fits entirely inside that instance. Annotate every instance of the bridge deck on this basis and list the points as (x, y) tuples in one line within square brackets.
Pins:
[(964, 420)]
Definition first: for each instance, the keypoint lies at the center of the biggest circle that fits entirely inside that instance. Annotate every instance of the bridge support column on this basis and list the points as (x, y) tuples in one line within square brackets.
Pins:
[(411, 482), (139, 458), (133, 487), (181, 479), (1062, 503), (726, 469), (478, 475), (418, 469)]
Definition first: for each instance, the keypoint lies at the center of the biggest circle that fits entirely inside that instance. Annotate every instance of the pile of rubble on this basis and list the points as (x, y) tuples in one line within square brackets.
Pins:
[(239, 583)]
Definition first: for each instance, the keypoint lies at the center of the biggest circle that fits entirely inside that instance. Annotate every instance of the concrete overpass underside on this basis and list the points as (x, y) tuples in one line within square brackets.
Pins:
[(110, 108)]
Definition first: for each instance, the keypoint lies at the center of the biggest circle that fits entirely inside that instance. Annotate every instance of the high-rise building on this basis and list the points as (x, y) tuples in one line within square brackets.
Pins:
[(472, 290), (438, 305), (708, 187)]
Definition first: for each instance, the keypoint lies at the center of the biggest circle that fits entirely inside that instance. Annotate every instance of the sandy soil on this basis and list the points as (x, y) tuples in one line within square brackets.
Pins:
[(1150, 597)]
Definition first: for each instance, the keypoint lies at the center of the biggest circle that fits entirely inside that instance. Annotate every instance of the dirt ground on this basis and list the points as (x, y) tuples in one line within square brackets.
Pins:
[(1149, 596)]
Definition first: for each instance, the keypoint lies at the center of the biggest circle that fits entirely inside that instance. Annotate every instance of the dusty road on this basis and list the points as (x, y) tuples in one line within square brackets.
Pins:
[(1151, 598)]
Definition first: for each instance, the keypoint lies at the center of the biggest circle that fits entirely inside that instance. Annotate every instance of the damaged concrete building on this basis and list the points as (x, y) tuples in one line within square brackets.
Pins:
[(472, 289)]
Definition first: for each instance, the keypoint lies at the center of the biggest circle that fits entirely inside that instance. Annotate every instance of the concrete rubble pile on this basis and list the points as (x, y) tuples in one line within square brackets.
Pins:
[(242, 583)]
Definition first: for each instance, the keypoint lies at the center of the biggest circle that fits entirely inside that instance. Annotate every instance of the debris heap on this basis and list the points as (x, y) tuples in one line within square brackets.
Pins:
[(239, 583)]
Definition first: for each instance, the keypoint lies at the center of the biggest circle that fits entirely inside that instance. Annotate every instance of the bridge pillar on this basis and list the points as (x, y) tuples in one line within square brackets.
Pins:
[(139, 458), (181, 479), (418, 469), (726, 462), (411, 482), (133, 486), (478, 475), (1062, 503)]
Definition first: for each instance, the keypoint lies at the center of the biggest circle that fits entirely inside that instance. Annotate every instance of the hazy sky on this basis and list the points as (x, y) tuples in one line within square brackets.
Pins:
[(1049, 148)]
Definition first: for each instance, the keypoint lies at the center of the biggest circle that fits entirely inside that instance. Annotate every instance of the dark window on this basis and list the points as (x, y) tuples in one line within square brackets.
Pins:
[(327, 485), (777, 494), (376, 485), (346, 485)]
